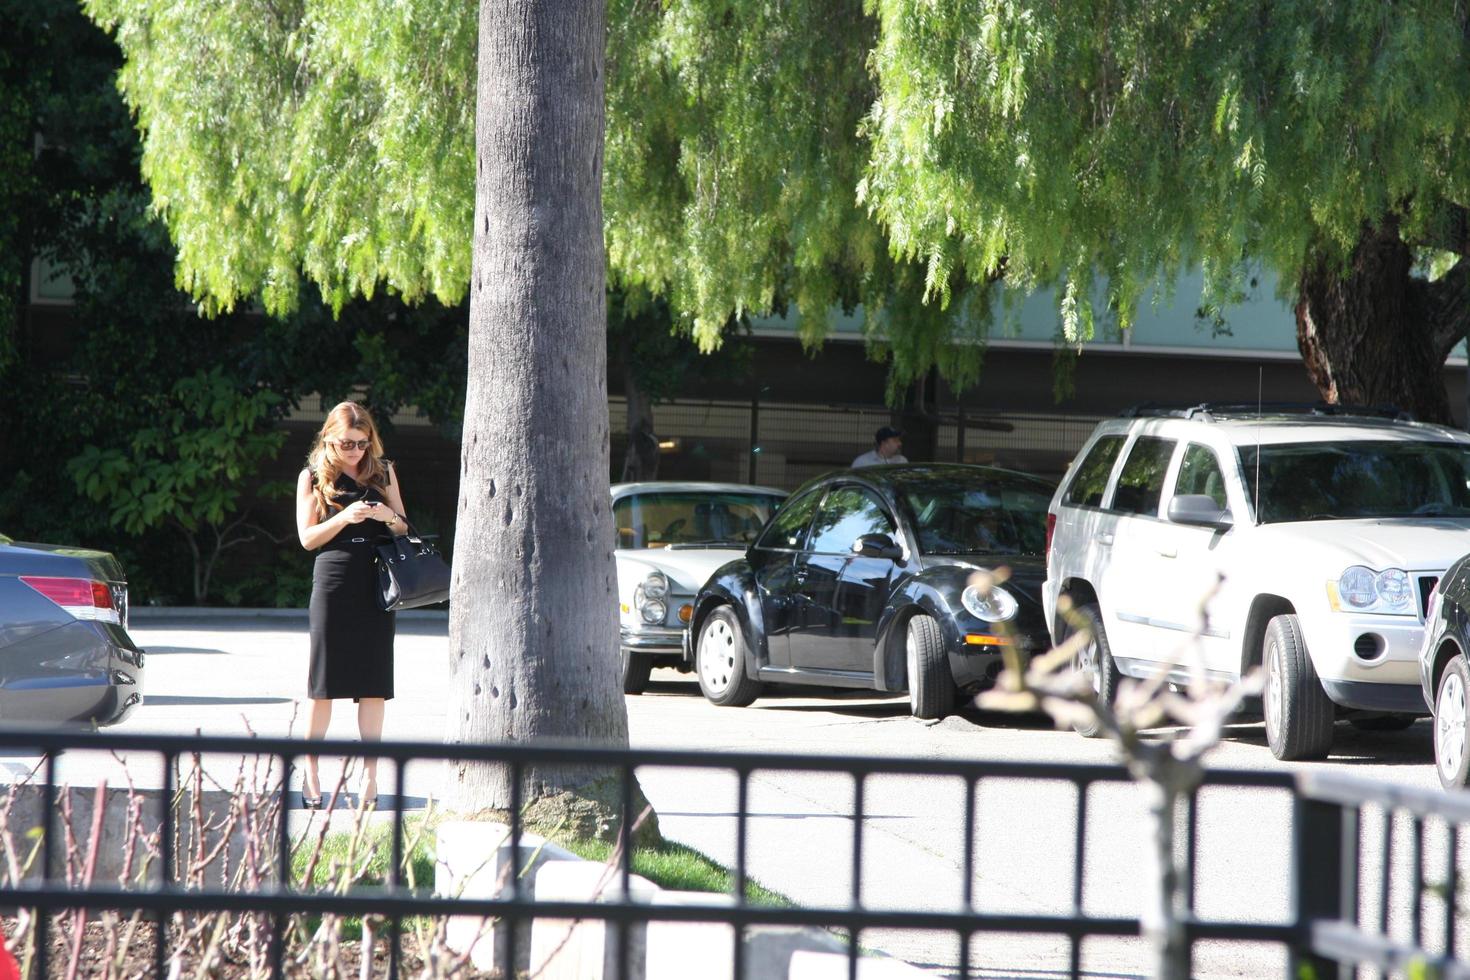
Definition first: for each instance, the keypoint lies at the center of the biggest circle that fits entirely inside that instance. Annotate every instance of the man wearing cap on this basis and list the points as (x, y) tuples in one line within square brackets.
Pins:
[(887, 442)]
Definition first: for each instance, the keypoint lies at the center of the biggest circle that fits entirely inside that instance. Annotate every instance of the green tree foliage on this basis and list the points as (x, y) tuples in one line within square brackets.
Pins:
[(191, 469), (898, 155), (1062, 142), (95, 372), (333, 142), (1103, 147)]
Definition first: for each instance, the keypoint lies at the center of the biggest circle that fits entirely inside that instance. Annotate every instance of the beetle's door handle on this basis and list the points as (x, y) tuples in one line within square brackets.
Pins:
[(1167, 552), (1105, 538)]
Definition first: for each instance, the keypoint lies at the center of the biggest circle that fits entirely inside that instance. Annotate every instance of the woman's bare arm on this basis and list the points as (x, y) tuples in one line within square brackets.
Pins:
[(311, 528), (395, 501)]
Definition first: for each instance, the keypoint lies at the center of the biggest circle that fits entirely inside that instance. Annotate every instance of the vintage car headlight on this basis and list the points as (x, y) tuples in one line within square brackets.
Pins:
[(994, 606), (656, 586), (653, 611), (1362, 589)]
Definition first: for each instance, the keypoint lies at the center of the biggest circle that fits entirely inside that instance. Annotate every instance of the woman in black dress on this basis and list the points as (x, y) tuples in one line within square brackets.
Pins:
[(346, 499)]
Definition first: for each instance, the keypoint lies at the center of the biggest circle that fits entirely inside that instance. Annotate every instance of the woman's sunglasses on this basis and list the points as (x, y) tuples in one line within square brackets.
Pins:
[(347, 445)]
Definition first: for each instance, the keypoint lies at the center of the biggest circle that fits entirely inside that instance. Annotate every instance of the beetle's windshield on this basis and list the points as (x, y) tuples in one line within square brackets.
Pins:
[(663, 519), (968, 516), (1342, 480)]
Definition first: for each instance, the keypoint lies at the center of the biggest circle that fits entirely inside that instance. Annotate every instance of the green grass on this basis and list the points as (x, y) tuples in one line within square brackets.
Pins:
[(679, 868), (671, 866), (374, 849)]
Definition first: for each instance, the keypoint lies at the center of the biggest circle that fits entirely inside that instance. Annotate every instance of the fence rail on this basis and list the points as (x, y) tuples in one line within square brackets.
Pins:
[(1324, 929)]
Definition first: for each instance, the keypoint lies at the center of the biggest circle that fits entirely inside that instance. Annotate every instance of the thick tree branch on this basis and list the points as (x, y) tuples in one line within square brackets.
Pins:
[(1447, 300)]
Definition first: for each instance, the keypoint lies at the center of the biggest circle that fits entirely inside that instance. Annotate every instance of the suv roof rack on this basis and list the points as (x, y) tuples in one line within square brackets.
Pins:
[(1210, 410)]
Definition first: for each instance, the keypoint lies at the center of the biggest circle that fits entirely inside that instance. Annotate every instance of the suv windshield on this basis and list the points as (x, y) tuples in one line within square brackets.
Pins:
[(1314, 481), (659, 520), (959, 516)]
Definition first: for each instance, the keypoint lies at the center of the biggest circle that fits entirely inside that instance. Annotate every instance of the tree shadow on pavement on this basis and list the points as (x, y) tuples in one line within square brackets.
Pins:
[(177, 700)]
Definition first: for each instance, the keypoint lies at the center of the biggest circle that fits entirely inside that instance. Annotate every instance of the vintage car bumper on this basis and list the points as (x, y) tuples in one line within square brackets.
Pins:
[(652, 639)]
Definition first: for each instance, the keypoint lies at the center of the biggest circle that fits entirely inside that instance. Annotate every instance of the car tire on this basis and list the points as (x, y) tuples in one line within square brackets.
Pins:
[(1095, 660), (1383, 723), (1299, 715), (719, 659), (1451, 760), (931, 685), (636, 668)]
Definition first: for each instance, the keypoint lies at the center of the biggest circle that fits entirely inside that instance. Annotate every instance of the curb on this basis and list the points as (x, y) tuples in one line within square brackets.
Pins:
[(137, 613), (473, 859)]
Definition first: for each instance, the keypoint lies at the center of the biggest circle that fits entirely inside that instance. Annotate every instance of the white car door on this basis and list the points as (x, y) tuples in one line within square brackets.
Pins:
[(1130, 588), (1192, 562)]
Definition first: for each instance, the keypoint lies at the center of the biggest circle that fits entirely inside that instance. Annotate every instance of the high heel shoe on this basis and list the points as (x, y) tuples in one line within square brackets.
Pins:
[(369, 795)]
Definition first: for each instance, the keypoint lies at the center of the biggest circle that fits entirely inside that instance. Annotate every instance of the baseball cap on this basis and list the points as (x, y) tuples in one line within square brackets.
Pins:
[(887, 432)]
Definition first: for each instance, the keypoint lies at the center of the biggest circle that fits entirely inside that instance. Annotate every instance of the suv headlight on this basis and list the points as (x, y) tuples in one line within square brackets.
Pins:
[(1361, 589), (994, 606)]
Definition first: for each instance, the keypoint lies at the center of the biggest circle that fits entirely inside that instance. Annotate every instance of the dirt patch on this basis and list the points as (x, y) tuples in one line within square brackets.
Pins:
[(111, 951)]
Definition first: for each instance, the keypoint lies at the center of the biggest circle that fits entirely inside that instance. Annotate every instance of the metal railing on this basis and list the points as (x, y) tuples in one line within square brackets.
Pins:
[(1323, 931)]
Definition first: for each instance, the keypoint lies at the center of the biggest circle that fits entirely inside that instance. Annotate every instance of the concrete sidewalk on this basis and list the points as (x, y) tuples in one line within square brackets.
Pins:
[(220, 673)]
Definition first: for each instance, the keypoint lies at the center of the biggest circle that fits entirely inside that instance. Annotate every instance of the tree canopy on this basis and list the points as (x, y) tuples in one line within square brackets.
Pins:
[(898, 155), (1062, 142)]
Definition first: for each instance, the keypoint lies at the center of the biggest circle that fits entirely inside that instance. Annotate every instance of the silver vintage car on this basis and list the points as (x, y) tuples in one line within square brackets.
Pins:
[(670, 537)]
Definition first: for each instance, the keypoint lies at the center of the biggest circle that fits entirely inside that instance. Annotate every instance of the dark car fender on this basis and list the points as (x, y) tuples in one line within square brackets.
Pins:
[(935, 592), (733, 585), (1449, 628)]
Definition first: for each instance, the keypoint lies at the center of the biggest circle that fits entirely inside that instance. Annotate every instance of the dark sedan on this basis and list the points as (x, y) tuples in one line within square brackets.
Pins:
[(65, 653), (863, 579)]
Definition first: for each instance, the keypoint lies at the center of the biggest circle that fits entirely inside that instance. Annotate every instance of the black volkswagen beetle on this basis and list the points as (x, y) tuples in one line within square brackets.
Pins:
[(862, 579), (65, 653)]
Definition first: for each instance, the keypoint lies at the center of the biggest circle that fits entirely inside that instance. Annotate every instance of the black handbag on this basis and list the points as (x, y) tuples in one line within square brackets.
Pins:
[(411, 573)]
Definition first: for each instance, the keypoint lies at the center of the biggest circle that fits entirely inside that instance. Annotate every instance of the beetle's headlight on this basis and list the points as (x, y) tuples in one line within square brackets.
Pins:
[(994, 606), (1362, 589), (656, 586), (653, 611)]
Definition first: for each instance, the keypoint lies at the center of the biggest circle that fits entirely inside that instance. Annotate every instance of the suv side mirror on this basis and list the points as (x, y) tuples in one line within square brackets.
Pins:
[(1197, 508), (876, 546)]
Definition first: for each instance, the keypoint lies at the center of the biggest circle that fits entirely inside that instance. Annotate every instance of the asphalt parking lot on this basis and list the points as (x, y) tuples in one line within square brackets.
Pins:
[(227, 675)]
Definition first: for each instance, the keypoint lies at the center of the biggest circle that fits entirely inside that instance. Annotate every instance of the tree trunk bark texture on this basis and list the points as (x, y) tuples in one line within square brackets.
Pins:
[(1374, 334), (532, 626)]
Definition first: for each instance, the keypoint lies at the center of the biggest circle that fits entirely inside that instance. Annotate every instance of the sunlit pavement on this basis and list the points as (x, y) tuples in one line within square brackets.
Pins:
[(243, 673)]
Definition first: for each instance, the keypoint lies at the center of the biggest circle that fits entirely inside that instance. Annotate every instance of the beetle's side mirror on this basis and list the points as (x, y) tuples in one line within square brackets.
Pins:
[(1199, 509), (877, 546)]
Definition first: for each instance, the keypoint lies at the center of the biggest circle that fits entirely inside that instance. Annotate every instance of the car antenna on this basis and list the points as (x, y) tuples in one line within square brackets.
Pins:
[(1260, 382)]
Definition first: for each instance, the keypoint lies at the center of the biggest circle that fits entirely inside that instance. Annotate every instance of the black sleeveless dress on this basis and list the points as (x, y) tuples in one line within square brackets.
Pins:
[(351, 636)]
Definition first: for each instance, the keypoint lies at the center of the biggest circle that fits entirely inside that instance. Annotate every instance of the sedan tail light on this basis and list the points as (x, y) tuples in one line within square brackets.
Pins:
[(82, 598), (1051, 529)]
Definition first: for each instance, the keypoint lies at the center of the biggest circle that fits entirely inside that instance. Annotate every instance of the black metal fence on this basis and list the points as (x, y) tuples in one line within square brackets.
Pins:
[(1336, 863)]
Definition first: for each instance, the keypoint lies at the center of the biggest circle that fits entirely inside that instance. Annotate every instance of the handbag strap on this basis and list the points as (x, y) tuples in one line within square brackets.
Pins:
[(411, 534)]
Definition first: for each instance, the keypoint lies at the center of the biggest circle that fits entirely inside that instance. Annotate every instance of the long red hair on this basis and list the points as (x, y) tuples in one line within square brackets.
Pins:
[(325, 461)]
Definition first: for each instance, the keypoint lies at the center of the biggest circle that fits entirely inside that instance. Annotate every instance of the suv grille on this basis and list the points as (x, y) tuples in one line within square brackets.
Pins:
[(1426, 587)]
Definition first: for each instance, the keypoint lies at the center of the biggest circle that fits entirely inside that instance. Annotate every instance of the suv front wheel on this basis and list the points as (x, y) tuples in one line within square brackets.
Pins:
[(1095, 661), (1299, 715)]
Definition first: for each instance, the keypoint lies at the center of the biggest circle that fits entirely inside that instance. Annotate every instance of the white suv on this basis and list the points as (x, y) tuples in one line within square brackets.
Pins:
[(1308, 543)]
